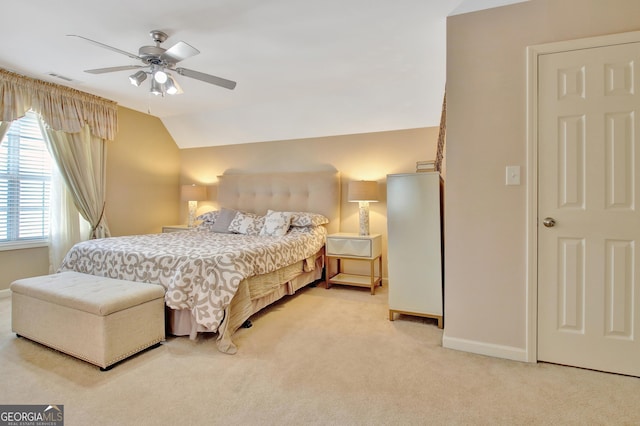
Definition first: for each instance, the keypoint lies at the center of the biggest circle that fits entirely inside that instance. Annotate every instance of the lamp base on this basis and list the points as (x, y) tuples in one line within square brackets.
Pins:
[(363, 214), (193, 206)]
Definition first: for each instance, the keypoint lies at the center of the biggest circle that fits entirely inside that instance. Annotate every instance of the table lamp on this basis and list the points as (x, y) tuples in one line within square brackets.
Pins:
[(364, 192), (193, 194)]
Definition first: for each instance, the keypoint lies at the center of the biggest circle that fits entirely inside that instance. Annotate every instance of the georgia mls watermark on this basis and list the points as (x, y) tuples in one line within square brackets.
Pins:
[(31, 415)]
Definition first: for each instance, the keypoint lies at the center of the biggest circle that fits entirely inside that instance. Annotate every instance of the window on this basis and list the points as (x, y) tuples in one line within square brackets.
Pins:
[(25, 176)]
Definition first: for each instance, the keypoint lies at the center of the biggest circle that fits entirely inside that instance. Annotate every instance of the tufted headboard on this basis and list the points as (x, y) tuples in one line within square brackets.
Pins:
[(317, 192)]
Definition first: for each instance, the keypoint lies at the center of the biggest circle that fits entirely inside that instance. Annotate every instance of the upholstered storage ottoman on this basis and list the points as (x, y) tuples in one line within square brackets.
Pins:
[(100, 320)]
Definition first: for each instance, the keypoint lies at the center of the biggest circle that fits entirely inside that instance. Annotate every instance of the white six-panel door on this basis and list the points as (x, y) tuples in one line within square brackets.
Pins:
[(588, 155)]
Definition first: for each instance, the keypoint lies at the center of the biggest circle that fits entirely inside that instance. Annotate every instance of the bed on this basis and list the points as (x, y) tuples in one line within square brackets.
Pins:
[(215, 281)]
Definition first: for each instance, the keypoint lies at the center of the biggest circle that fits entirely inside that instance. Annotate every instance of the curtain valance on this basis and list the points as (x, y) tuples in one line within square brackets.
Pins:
[(62, 108)]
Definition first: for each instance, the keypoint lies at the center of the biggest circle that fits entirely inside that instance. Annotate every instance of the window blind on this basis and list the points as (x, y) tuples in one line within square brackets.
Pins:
[(25, 177)]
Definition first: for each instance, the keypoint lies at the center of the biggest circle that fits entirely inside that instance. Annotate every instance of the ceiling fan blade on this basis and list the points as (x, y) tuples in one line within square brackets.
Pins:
[(106, 46), (114, 69), (207, 78), (178, 52)]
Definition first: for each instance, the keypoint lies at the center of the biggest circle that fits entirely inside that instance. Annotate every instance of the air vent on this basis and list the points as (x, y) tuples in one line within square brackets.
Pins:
[(61, 77)]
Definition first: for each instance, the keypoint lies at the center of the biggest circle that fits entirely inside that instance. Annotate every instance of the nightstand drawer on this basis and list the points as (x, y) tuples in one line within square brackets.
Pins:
[(349, 247)]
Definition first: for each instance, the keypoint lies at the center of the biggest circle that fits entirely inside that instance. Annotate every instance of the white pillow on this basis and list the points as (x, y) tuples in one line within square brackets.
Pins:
[(247, 223), (276, 224)]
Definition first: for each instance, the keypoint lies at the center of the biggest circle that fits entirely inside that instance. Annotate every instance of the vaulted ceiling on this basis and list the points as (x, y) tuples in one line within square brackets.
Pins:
[(303, 68)]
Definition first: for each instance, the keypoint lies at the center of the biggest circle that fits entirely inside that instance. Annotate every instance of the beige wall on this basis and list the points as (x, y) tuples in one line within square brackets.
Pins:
[(15, 264), (485, 297), (143, 167), (368, 156)]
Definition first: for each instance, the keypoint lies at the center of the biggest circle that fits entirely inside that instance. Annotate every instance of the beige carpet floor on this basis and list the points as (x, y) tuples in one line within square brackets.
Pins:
[(325, 357)]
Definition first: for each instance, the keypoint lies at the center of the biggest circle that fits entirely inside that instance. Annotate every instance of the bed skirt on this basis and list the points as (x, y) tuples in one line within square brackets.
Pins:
[(254, 294)]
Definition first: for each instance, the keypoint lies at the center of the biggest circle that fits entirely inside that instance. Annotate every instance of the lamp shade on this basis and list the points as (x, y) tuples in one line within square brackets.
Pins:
[(193, 193), (363, 190)]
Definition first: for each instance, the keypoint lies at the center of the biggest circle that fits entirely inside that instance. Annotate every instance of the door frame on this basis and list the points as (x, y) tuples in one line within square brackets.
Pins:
[(533, 53)]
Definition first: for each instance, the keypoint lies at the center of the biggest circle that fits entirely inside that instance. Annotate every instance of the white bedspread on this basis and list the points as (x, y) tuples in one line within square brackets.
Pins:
[(200, 270)]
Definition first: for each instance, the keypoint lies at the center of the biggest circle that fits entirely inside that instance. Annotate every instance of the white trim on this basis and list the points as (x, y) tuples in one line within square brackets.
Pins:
[(5, 294), (483, 348), (531, 279), (20, 245), (533, 53)]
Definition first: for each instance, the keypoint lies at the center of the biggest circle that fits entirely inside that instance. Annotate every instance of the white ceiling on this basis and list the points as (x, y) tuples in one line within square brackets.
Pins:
[(303, 68)]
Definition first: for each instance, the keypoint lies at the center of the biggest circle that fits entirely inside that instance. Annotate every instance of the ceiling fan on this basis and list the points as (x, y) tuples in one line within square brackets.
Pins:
[(158, 63)]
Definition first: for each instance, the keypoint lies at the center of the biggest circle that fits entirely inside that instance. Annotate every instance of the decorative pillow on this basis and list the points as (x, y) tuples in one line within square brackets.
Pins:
[(276, 224), (223, 221), (208, 216), (308, 219), (205, 226), (247, 223)]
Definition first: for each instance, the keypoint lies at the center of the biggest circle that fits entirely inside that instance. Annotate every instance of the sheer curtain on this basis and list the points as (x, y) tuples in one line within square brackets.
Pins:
[(64, 222), (76, 126)]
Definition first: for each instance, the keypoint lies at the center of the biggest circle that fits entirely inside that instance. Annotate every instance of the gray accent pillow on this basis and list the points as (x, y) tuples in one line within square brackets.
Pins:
[(225, 216)]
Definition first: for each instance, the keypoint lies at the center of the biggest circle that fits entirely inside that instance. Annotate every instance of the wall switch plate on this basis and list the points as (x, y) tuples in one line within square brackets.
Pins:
[(513, 175)]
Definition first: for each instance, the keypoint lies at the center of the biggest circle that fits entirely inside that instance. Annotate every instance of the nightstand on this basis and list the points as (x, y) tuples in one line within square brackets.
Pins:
[(347, 246), (175, 228)]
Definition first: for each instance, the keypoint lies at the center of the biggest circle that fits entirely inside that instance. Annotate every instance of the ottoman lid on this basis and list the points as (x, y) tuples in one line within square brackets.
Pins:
[(96, 295)]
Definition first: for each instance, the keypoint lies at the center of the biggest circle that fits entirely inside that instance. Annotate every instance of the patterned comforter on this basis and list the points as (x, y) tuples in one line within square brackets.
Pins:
[(200, 270)]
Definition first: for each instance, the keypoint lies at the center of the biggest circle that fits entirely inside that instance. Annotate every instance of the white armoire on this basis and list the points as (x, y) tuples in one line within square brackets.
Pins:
[(414, 249)]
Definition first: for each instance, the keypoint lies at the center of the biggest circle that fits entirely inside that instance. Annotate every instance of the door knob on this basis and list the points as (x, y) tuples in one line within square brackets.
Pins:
[(549, 222)]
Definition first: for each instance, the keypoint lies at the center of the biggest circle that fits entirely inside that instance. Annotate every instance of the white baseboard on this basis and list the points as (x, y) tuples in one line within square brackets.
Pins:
[(483, 348), (4, 294)]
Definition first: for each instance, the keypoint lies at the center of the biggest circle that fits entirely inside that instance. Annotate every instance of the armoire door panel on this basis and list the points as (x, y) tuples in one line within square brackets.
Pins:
[(414, 249)]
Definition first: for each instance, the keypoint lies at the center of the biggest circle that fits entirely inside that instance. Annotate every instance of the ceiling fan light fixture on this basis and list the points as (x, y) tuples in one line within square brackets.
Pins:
[(137, 78), (156, 88), (160, 76), (170, 86)]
